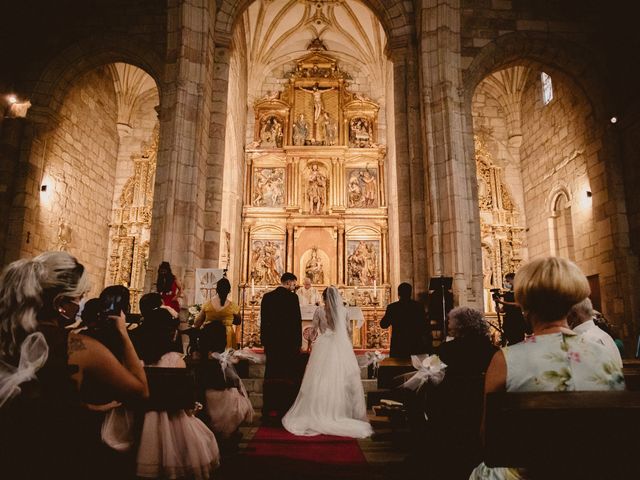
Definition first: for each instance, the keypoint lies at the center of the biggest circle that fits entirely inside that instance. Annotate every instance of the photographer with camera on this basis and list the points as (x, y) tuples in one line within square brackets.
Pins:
[(514, 326)]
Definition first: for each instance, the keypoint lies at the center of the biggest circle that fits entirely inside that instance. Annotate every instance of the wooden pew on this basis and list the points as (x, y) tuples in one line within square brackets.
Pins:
[(390, 368), (565, 434)]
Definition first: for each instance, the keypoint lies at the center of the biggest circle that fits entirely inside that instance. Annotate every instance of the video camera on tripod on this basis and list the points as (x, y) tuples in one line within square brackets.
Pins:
[(496, 293)]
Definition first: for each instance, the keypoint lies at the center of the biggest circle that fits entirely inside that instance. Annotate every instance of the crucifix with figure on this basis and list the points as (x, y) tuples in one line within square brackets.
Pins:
[(317, 92)]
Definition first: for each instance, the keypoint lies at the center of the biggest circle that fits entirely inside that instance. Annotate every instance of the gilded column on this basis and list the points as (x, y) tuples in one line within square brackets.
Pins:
[(335, 185), (383, 247), (247, 181), (341, 279), (246, 231), (289, 183), (296, 181), (290, 233), (381, 183)]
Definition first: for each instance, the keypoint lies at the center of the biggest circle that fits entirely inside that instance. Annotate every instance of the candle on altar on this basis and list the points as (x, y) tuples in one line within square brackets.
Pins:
[(375, 289), (253, 289)]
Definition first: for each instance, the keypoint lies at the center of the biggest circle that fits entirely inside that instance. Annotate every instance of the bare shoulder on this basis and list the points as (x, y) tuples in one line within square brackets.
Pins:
[(79, 344)]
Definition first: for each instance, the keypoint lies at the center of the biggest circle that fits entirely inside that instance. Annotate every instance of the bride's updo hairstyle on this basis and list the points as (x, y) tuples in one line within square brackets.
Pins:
[(548, 287), (29, 290)]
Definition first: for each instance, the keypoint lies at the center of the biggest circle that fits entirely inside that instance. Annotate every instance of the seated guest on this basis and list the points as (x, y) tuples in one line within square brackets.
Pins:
[(221, 309), (149, 302), (46, 432), (581, 319), (471, 350), (172, 445), (227, 402), (554, 358), (602, 323), (411, 334)]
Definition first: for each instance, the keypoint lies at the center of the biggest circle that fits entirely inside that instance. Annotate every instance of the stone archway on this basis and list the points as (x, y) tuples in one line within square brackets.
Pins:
[(598, 162)]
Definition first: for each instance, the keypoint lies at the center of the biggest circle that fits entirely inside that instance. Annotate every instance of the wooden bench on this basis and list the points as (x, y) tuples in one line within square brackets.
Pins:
[(565, 434)]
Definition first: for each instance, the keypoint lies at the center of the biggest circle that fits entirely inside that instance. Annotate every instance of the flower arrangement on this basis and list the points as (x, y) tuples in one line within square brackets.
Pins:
[(194, 311)]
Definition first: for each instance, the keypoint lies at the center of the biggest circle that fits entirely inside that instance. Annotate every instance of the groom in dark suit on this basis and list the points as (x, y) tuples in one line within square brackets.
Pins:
[(281, 336)]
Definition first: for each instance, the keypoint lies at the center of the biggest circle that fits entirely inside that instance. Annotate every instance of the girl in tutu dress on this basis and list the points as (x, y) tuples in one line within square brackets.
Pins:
[(227, 402), (172, 445)]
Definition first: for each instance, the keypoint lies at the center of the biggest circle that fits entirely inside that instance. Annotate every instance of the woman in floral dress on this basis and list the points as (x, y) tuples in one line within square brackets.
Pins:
[(554, 358)]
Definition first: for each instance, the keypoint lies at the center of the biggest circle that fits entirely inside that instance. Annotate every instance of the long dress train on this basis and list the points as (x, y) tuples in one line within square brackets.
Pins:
[(331, 399)]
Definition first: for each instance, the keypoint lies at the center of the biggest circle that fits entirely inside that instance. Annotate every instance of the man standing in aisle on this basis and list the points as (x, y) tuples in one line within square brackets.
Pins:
[(411, 333), (281, 336)]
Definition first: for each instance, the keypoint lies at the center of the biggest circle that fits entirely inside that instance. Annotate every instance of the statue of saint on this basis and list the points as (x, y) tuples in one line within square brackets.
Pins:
[(316, 190), (354, 190), (313, 269), (370, 188), (300, 130), (330, 129)]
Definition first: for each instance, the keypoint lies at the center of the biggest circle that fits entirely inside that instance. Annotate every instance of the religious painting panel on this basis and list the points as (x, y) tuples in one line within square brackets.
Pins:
[(267, 260), (363, 262), (360, 132), (268, 187), (271, 132), (362, 188)]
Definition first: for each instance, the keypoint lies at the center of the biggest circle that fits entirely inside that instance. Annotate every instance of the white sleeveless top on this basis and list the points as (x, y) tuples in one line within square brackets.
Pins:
[(563, 361)]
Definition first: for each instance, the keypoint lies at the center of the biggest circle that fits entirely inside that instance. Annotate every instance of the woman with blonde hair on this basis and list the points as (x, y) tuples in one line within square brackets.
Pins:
[(43, 367), (554, 358)]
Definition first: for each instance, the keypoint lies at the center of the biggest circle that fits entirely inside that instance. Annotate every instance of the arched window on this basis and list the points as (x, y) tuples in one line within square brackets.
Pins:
[(547, 88), (562, 227)]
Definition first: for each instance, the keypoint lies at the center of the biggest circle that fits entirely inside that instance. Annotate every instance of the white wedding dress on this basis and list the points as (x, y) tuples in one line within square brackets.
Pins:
[(331, 399)]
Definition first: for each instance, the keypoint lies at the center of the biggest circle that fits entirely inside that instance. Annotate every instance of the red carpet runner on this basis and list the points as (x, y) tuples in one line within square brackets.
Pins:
[(276, 453)]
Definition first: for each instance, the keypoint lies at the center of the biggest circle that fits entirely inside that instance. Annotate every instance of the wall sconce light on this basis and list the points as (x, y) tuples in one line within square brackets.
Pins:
[(589, 194), (613, 119), (12, 99)]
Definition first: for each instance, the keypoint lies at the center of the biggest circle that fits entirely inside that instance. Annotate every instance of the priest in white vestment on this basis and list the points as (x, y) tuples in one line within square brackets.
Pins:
[(308, 295)]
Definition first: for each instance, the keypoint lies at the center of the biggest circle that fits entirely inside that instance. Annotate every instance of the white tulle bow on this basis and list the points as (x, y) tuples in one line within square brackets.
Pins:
[(229, 358), (33, 355), (429, 369), (372, 358)]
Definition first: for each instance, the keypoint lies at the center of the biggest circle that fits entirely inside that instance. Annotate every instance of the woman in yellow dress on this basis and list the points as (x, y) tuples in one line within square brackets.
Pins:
[(221, 309)]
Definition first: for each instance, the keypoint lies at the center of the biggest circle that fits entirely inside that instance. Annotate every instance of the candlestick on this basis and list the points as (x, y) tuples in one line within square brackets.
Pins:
[(375, 289), (253, 289)]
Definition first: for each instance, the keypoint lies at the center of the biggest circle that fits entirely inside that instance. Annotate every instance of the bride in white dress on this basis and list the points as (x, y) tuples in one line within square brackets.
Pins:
[(331, 399)]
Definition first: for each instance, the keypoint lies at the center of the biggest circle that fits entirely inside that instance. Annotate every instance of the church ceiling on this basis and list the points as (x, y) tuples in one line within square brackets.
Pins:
[(279, 31)]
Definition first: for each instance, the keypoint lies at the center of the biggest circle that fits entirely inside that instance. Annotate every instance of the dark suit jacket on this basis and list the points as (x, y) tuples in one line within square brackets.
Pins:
[(411, 331), (280, 322)]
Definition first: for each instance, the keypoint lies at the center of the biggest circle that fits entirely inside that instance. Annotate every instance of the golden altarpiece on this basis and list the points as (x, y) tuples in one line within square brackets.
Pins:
[(314, 199), (501, 234), (130, 228)]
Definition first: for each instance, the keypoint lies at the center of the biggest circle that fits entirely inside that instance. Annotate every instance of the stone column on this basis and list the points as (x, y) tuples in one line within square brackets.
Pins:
[(409, 165), (381, 182), (178, 232), (454, 224)]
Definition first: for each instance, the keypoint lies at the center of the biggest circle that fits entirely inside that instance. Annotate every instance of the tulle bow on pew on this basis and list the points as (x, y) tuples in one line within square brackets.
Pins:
[(229, 358), (372, 358), (33, 355), (429, 369)]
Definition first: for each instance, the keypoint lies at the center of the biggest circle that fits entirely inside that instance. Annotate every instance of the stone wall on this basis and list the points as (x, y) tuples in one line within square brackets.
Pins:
[(561, 152), (79, 167)]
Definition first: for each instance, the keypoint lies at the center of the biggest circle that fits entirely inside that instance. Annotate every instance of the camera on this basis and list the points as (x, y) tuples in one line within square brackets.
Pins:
[(496, 293)]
